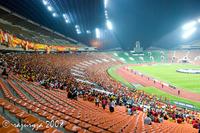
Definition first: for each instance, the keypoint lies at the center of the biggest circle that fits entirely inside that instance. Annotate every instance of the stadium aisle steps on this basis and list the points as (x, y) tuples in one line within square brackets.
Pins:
[(99, 119), (78, 116), (69, 120), (18, 112)]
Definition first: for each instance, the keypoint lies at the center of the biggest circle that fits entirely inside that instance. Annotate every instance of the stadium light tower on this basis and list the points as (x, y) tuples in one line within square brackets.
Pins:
[(188, 33), (109, 25)]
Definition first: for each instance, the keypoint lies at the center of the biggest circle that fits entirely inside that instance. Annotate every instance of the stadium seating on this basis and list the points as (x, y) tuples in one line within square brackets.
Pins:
[(184, 56), (145, 57), (29, 35), (74, 114), (28, 102)]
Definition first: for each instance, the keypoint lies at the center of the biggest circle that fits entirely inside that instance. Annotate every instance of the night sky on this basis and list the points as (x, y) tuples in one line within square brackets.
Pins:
[(152, 22)]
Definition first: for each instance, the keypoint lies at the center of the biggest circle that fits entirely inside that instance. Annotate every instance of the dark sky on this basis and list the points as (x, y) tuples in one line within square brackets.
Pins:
[(152, 22)]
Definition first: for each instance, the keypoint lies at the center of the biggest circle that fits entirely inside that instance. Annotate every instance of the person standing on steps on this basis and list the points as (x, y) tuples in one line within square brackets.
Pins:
[(112, 106), (97, 101), (104, 103)]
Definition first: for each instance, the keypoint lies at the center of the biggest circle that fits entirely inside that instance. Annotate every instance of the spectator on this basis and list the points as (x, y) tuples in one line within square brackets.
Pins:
[(104, 102), (147, 120), (179, 92), (97, 101), (111, 106), (4, 73)]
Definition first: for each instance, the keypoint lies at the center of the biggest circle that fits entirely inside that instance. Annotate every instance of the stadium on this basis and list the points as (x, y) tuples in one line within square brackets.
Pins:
[(88, 66)]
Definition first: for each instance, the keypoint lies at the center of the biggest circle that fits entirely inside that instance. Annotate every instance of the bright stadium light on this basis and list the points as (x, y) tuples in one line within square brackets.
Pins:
[(76, 26), (188, 33), (65, 16), (88, 31), (106, 14), (189, 25), (67, 21), (105, 3), (78, 32), (198, 20), (97, 33), (45, 2), (54, 14), (50, 8), (109, 25)]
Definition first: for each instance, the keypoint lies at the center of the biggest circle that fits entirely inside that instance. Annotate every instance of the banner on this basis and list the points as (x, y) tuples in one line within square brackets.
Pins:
[(16, 41), (13, 41)]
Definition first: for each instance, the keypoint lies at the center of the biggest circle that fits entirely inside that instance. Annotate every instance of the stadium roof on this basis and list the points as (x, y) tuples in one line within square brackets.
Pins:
[(154, 23), (19, 20), (87, 14)]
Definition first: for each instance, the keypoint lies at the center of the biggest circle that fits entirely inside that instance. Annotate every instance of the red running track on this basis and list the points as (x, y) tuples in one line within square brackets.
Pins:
[(132, 78)]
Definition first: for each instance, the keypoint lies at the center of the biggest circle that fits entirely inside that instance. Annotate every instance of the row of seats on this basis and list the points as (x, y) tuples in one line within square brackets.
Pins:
[(26, 100), (84, 119)]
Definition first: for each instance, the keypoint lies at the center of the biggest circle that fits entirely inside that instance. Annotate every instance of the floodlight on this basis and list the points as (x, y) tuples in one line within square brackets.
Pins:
[(97, 33), (88, 31), (76, 26), (78, 31), (45, 2), (50, 8), (189, 25), (109, 25), (198, 20), (188, 33), (54, 14), (106, 12), (67, 21), (65, 16), (105, 3)]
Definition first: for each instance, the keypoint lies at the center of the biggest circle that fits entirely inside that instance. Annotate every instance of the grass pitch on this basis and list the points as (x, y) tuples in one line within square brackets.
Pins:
[(154, 91), (167, 73)]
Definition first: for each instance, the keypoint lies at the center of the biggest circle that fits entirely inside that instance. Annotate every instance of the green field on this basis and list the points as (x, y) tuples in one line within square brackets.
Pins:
[(172, 98), (167, 73), (151, 90)]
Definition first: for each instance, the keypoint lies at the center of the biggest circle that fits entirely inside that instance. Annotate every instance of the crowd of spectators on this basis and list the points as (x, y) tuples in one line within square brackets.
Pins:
[(53, 72)]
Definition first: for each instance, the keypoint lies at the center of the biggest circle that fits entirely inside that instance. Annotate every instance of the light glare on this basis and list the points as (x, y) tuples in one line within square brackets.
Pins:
[(105, 3), (67, 21), (65, 16), (88, 31), (109, 25), (54, 14), (76, 26), (49, 8), (189, 25), (45, 2), (97, 33), (188, 33)]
